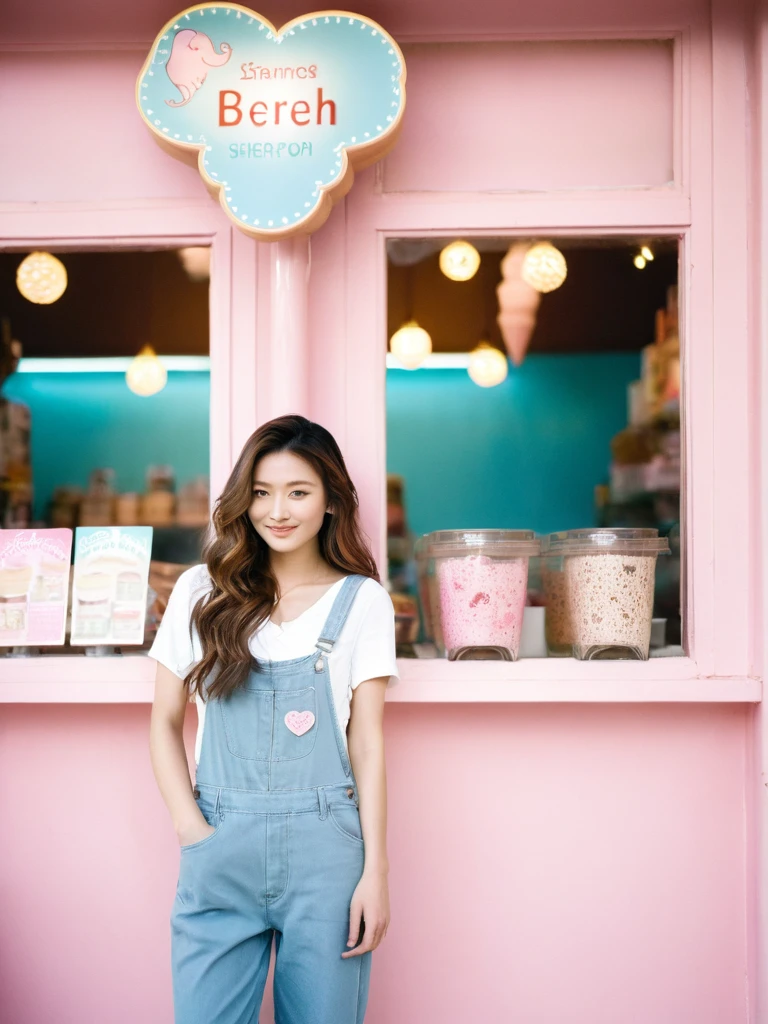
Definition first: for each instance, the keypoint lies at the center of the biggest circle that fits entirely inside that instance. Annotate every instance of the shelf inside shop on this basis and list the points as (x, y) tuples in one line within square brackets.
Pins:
[(129, 679)]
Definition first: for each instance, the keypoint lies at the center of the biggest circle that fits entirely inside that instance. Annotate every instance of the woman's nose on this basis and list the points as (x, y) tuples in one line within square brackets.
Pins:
[(279, 511)]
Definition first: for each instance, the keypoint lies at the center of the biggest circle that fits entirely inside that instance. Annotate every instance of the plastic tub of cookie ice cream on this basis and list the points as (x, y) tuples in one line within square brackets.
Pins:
[(481, 581), (607, 585)]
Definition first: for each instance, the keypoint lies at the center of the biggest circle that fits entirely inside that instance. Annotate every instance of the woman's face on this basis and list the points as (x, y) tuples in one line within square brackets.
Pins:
[(289, 501)]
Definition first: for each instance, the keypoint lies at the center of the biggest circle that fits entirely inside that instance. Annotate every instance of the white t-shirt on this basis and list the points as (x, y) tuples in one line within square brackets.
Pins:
[(365, 649)]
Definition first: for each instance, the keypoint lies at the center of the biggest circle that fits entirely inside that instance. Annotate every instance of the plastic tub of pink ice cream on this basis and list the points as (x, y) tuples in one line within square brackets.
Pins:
[(481, 580), (606, 587)]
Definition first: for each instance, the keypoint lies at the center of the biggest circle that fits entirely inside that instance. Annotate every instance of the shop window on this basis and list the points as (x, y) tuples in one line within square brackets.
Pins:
[(91, 437), (511, 408)]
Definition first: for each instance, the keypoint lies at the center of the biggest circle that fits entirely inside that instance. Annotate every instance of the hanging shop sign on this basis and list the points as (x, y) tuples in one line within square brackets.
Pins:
[(276, 119)]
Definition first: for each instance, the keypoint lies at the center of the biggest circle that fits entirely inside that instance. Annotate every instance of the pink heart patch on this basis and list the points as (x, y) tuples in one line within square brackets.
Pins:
[(299, 722)]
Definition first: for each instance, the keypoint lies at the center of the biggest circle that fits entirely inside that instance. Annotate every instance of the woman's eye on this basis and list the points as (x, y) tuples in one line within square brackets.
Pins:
[(257, 493), (301, 493)]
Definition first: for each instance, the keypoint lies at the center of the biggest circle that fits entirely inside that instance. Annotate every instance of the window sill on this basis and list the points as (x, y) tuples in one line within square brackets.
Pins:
[(74, 678)]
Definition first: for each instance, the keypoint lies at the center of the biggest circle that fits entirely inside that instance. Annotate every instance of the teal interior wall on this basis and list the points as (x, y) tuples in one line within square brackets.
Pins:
[(523, 455), (81, 421)]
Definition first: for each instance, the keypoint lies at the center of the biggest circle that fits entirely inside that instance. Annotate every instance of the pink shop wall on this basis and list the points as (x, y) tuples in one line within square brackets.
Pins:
[(551, 864), (555, 864)]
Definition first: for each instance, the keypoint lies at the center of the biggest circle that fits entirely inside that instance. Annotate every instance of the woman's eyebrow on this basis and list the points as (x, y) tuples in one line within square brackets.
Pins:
[(293, 483)]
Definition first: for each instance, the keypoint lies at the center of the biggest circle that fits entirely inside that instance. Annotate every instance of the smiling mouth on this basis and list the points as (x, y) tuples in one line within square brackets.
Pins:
[(281, 530)]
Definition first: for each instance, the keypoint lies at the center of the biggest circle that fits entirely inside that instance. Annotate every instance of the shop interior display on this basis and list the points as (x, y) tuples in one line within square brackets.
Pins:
[(34, 576), (401, 566), (613, 601), (114, 303), (480, 581), (599, 587), (109, 585), (644, 485), (15, 457), (604, 304)]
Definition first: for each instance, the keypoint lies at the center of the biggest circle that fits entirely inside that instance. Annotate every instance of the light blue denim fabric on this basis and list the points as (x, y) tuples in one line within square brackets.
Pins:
[(285, 858)]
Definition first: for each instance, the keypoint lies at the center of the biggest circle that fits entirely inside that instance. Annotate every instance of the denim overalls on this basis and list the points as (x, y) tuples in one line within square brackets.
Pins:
[(275, 780)]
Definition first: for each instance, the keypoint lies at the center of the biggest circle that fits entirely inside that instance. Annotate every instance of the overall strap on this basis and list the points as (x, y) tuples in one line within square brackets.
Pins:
[(339, 612)]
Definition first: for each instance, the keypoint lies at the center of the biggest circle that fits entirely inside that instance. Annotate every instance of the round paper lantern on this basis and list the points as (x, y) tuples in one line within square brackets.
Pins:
[(146, 375), (196, 260), (459, 261), (487, 365), (544, 267), (411, 345), (41, 278)]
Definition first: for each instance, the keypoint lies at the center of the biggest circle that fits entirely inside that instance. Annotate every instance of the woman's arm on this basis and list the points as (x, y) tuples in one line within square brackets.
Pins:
[(365, 737), (169, 758)]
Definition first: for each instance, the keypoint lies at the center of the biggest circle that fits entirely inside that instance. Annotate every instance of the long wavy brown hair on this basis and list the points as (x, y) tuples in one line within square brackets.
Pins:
[(244, 586)]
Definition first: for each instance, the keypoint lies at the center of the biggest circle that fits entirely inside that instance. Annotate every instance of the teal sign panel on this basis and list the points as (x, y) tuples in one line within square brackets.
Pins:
[(276, 119)]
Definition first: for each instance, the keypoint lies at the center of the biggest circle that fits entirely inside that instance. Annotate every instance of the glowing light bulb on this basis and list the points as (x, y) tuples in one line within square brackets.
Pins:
[(411, 345), (487, 365), (544, 267), (640, 262), (196, 260), (41, 278), (146, 375), (646, 253), (459, 261)]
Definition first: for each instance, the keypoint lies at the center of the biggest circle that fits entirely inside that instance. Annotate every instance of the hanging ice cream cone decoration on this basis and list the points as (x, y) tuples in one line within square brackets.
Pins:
[(518, 304)]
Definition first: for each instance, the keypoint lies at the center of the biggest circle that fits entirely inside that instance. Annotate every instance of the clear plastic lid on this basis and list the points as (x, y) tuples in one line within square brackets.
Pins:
[(493, 543), (420, 547), (608, 540)]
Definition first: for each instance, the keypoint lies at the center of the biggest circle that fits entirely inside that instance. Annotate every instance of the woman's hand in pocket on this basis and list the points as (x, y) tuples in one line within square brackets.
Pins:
[(194, 831)]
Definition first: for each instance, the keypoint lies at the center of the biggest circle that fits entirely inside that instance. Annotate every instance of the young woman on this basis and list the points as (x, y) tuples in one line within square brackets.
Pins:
[(286, 639)]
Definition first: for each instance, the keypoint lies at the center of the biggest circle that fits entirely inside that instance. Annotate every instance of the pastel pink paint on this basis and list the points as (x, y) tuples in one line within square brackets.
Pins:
[(580, 935), (299, 722)]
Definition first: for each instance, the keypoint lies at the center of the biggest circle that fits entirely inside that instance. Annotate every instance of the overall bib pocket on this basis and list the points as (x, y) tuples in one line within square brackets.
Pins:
[(277, 725), (247, 718)]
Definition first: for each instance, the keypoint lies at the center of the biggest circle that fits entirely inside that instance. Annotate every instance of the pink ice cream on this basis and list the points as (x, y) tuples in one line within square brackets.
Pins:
[(482, 601)]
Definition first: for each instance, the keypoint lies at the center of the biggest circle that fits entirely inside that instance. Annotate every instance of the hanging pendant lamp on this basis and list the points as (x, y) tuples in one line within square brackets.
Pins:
[(544, 267), (146, 375), (41, 278), (410, 345), (487, 366)]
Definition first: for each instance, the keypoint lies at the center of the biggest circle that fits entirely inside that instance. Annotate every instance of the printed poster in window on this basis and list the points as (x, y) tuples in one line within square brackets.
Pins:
[(109, 591), (34, 584)]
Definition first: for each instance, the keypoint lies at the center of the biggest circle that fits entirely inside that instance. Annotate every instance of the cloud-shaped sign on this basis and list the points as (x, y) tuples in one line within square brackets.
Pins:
[(277, 120)]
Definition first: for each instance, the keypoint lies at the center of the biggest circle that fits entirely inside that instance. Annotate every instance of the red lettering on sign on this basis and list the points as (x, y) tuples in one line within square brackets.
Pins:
[(231, 115), (263, 110), (300, 107), (224, 107), (325, 103)]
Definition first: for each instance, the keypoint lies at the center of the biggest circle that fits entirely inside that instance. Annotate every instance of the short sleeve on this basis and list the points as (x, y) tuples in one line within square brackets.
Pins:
[(373, 655), (173, 645)]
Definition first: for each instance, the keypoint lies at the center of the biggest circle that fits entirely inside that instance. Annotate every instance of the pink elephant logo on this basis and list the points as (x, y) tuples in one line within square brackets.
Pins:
[(192, 54)]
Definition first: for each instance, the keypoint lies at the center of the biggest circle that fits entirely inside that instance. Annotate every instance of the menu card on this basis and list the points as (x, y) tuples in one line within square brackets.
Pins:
[(109, 592), (34, 581)]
